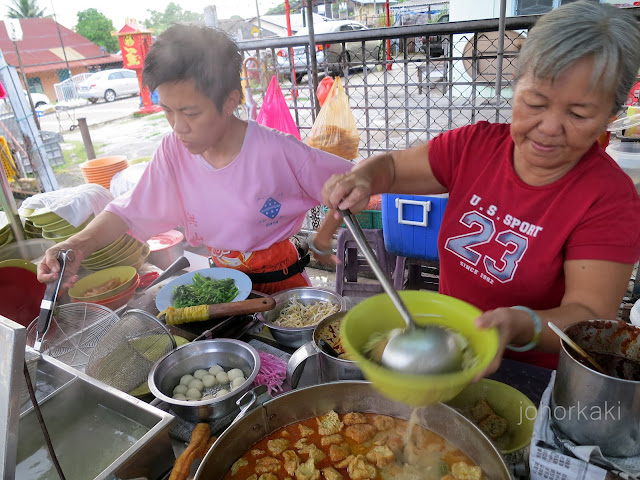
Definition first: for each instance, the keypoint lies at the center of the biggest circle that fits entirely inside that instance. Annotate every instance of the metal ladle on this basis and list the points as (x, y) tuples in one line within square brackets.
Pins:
[(421, 350)]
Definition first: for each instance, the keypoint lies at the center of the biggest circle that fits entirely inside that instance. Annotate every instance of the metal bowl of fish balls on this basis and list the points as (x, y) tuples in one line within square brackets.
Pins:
[(203, 380), (306, 298)]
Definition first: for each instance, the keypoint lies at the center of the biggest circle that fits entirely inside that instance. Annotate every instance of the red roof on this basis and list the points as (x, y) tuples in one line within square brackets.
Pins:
[(40, 36)]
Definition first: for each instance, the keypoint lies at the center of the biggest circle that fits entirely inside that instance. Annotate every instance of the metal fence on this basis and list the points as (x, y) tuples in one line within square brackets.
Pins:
[(399, 93)]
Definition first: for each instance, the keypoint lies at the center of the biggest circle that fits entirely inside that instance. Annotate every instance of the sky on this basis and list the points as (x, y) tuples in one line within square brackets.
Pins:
[(118, 10)]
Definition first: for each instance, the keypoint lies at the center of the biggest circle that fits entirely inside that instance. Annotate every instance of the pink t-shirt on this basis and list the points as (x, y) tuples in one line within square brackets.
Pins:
[(260, 198)]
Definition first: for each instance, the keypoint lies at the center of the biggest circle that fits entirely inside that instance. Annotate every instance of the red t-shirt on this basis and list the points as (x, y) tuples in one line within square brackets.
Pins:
[(503, 242)]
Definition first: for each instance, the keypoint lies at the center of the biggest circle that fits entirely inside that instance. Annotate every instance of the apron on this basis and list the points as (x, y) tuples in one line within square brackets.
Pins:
[(279, 267)]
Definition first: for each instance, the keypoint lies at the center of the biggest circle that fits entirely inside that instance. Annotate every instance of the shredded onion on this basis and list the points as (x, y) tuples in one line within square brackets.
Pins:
[(273, 371), (297, 314)]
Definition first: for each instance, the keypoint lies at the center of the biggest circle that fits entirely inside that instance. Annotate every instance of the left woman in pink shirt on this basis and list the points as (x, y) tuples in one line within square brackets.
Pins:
[(239, 188)]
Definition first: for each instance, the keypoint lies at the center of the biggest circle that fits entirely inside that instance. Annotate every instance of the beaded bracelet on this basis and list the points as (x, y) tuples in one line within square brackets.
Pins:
[(537, 331), (314, 249)]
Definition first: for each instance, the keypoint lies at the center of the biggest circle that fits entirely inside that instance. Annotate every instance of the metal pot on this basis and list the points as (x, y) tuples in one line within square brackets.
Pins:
[(331, 368), (226, 352), (293, 336), (166, 248), (345, 397), (595, 409)]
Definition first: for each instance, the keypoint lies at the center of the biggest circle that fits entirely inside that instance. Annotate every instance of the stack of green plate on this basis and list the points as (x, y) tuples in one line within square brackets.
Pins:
[(6, 234), (50, 226), (126, 250)]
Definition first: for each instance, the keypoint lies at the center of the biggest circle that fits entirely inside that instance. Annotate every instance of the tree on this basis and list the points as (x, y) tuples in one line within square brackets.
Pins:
[(172, 14), (94, 26), (25, 9)]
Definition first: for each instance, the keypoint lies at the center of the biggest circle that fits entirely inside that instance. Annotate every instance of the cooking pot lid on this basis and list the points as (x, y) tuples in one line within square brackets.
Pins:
[(624, 123), (165, 240)]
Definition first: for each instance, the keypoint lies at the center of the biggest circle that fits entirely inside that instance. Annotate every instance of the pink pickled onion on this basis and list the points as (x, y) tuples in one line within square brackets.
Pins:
[(273, 371)]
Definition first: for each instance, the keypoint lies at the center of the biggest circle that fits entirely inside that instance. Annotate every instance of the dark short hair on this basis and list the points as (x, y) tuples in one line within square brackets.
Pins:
[(190, 52)]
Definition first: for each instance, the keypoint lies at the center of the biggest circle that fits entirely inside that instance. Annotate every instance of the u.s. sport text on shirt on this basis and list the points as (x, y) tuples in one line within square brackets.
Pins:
[(487, 225)]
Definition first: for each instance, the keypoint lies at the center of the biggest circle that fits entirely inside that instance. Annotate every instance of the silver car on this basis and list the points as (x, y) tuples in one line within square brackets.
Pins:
[(331, 55), (109, 84)]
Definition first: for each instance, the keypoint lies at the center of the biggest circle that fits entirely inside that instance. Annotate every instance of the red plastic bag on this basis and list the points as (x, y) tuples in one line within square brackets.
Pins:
[(275, 111), (324, 88)]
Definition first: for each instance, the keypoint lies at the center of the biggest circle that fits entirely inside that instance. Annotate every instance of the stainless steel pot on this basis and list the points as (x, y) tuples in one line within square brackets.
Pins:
[(168, 253), (226, 352), (345, 397), (293, 336), (331, 368), (595, 409)]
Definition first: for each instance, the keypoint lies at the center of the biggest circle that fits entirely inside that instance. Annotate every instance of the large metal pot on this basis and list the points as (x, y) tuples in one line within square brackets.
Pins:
[(331, 368), (595, 409), (345, 397), (293, 336)]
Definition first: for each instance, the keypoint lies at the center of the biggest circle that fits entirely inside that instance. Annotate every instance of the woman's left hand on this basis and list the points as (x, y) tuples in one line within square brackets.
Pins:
[(326, 260), (503, 319)]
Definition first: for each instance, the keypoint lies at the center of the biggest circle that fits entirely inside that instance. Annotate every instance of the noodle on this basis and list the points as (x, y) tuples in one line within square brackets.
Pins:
[(296, 314)]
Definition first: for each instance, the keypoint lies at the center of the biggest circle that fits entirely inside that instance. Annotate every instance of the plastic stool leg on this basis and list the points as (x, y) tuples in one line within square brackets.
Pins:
[(398, 273)]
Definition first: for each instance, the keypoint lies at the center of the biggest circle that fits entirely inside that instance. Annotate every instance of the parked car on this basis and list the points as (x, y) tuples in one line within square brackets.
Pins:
[(109, 84), (436, 43), (330, 54), (39, 99)]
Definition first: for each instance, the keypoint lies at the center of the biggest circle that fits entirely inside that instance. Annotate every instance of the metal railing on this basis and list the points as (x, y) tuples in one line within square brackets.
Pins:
[(68, 89), (399, 94)]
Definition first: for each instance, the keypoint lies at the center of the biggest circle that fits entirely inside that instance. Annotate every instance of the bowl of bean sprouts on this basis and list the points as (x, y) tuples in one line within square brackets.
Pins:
[(298, 311)]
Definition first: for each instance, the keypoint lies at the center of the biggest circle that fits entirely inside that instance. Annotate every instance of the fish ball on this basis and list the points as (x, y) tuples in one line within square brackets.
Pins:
[(197, 384), (222, 377), (209, 381), (180, 389), (186, 379), (215, 370), (208, 397), (235, 373), (236, 382), (221, 393), (179, 396), (193, 394), (199, 374)]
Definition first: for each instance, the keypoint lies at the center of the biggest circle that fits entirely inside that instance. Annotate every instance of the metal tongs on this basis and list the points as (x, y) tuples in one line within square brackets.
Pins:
[(48, 304)]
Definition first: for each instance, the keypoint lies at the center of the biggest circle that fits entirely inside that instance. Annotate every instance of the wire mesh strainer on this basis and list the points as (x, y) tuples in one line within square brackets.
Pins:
[(75, 330), (124, 356)]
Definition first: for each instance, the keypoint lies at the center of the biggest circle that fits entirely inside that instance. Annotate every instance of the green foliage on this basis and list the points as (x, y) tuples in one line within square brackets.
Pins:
[(94, 26), (173, 13), (24, 9), (295, 5)]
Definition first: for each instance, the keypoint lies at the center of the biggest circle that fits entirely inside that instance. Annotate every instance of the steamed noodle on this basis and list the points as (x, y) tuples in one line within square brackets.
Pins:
[(297, 314)]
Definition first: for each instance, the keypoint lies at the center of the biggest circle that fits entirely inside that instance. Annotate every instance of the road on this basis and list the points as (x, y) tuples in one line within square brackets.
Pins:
[(62, 120)]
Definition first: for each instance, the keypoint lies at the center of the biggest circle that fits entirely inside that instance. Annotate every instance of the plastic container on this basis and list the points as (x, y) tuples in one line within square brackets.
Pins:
[(627, 155), (411, 223)]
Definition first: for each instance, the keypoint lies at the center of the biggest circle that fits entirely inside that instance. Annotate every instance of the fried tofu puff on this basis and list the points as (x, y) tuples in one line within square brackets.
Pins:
[(339, 452), (277, 446), (360, 469), (383, 422), (331, 473), (462, 471), (381, 456), (305, 431), (329, 424), (268, 465), (360, 433), (307, 471), (291, 461), (331, 439), (353, 418)]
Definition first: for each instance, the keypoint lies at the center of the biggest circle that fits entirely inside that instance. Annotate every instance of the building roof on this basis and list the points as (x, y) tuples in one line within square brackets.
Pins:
[(41, 50), (281, 20)]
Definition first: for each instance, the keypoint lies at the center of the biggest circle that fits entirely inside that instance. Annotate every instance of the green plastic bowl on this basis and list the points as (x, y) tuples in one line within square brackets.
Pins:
[(42, 217), (124, 274), (377, 315), (511, 404)]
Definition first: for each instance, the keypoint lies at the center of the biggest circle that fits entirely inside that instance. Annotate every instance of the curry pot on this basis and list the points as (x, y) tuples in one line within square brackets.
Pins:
[(344, 397), (595, 409), (331, 368)]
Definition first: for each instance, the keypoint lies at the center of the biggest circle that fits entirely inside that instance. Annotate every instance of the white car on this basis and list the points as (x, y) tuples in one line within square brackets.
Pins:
[(109, 84), (39, 99), (332, 54)]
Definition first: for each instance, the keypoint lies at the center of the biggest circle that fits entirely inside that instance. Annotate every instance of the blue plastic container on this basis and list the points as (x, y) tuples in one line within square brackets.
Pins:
[(411, 224)]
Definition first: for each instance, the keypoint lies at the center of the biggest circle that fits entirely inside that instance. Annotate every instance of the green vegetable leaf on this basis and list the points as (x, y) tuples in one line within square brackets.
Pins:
[(204, 291)]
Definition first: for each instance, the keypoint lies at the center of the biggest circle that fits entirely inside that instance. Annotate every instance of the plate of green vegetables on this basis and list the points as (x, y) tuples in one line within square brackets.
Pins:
[(208, 286)]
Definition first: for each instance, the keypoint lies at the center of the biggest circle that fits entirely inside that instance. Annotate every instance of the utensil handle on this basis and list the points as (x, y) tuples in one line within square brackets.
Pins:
[(238, 308), (576, 347), (356, 230), (180, 264)]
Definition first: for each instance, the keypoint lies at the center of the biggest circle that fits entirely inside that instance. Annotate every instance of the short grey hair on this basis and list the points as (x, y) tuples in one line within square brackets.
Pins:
[(582, 29)]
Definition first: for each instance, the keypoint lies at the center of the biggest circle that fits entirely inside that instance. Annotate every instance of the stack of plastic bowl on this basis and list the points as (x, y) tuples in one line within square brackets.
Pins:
[(125, 278), (30, 230), (125, 251), (6, 234), (61, 230), (101, 170)]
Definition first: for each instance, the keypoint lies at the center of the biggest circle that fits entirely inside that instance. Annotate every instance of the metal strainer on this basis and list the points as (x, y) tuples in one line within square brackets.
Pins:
[(124, 356), (74, 331)]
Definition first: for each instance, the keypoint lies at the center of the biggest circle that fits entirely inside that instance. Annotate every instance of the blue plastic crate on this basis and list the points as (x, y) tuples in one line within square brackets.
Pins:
[(411, 224)]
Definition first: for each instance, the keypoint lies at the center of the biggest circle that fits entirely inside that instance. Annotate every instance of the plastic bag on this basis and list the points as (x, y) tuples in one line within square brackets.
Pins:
[(323, 89), (335, 130), (275, 111)]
